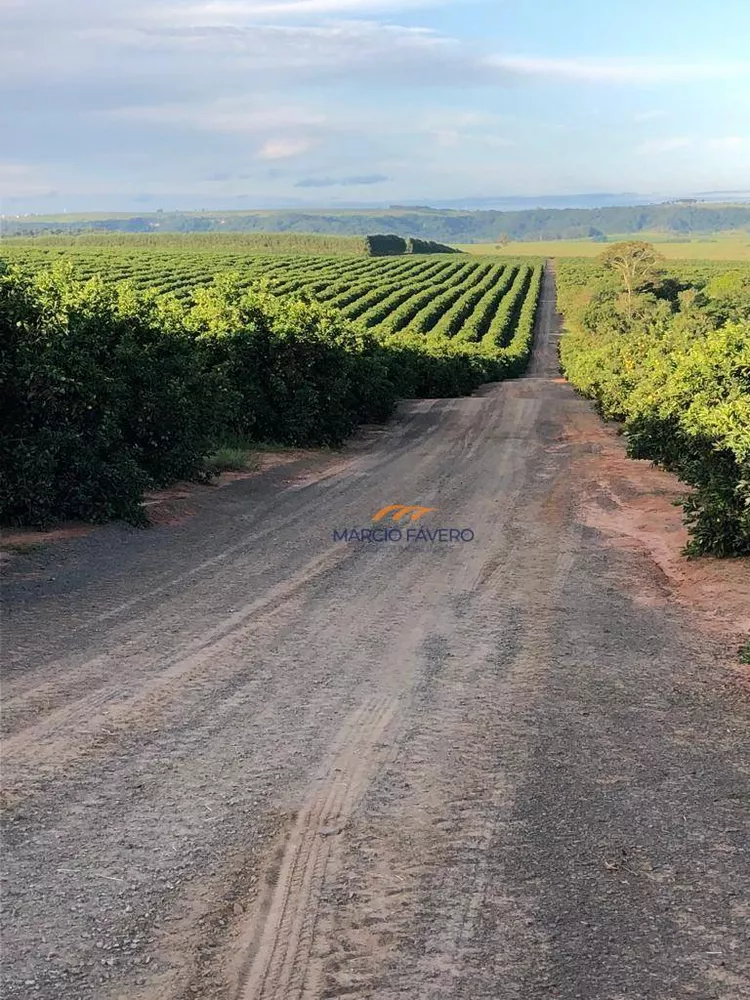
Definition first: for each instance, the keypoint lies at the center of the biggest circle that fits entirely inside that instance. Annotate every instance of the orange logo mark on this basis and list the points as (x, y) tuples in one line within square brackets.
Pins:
[(399, 511)]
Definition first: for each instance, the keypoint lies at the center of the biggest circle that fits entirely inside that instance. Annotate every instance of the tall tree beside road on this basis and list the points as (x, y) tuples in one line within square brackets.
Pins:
[(635, 262)]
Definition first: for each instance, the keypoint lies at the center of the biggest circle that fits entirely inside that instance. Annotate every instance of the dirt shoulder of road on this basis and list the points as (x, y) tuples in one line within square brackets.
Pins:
[(636, 506)]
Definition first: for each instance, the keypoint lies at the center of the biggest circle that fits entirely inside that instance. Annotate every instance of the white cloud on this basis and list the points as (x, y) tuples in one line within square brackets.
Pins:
[(454, 139), (283, 131), (497, 141), (453, 128), (447, 138), (721, 144), (665, 145), (453, 118), (12, 170), (730, 143), (649, 116), (617, 70), (150, 94), (239, 11), (281, 149), (232, 115), (219, 59), (22, 179)]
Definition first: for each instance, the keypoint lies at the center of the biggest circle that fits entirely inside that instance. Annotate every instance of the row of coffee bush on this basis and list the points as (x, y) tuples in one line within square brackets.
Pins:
[(108, 392)]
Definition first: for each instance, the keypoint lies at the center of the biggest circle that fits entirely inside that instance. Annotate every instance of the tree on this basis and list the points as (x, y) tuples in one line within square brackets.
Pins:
[(637, 264), (729, 296)]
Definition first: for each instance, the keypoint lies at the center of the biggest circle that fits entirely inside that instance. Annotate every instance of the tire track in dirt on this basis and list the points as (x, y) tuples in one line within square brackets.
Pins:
[(465, 721), (281, 941)]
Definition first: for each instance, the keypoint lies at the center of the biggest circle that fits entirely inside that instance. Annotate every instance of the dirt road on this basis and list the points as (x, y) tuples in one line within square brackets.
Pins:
[(246, 761)]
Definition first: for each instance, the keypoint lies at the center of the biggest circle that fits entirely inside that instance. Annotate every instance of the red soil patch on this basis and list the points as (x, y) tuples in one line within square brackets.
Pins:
[(263, 462), (633, 504), (23, 538)]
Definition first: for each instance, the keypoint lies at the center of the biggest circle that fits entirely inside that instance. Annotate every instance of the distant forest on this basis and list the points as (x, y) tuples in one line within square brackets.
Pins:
[(449, 226)]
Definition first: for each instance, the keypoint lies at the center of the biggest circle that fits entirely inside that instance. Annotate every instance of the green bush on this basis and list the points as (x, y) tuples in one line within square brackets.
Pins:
[(108, 391), (385, 245), (678, 375), (428, 246), (435, 370), (292, 371), (102, 397), (389, 245)]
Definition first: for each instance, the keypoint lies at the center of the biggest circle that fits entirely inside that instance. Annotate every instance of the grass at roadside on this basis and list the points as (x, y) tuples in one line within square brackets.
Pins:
[(230, 460), (17, 548), (237, 454)]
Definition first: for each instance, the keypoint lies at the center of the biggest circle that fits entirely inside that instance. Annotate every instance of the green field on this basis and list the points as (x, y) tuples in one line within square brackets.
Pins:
[(356, 285), (133, 379), (309, 244), (125, 368), (722, 246), (239, 244)]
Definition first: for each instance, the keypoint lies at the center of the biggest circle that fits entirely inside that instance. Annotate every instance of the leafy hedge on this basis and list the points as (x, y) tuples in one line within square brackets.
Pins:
[(108, 391), (428, 246), (290, 371), (103, 395), (516, 355), (389, 246), (677, 372), (385, 245)]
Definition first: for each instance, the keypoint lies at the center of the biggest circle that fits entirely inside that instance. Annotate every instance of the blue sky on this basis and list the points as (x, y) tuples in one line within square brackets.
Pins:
[(180, 103)]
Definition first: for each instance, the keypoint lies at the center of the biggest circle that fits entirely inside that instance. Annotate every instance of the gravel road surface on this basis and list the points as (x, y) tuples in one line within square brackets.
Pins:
[(246, 761)]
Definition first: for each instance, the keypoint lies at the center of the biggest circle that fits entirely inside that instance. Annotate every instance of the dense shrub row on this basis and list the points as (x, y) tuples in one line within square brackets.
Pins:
[(383, 245), (503, 323), (180, 264), (390, 246), (427, 318), (108, 391), (516, 355), (436, 367), (370, 291), (478, 323), (392, 298), (156, 244), (102, 395), (455, 318), (428, 246), (674, 365)]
